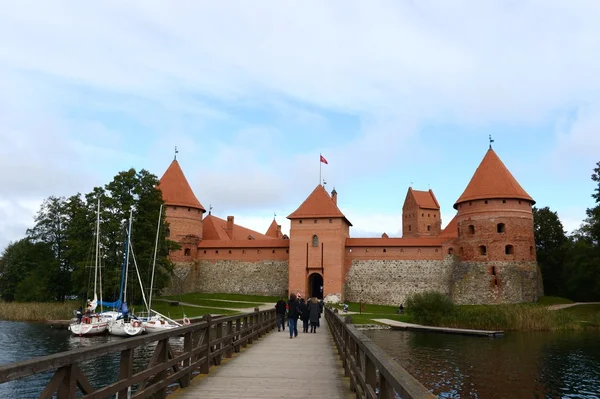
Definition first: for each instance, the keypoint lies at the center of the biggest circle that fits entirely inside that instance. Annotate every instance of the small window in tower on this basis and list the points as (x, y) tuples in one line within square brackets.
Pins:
[(428, 228), (501, 227), (330, 220), (519, 202), (287, 251), (243, 251), (509, 250), (450, 251), (189, 209), (493, 270), (300, 221), (485, 202), (482, 250), (217, 251), (315, 220), (401, 249), (205, 251), (470, 203), (350, 250), (422, 215), (409, 228), (273, 251), (315, 241), (366, 249), (471, 229), (434, 215), (429, 215), (384, 250), (504, 201), (531, 250), (187, 252), (230, 251), (258, 251)]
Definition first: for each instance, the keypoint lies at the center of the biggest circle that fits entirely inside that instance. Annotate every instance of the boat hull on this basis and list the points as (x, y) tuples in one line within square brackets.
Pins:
[(125, 329), (156, 326), (89, 329)]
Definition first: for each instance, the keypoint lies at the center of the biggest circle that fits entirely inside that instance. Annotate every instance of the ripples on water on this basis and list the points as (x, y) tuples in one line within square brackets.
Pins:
[(519, 365), (21, 341)]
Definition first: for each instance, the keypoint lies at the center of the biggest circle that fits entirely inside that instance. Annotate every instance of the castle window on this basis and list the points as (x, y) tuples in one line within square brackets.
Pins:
[(230, 251), (509, 250), (409, 228), (174, 208), (422, 215), (315, 241), (450, 251), (429, 215), (187, 252), (366, 249), (315, 220), (189, 209), (205, 251), (273, 251), (470, 203), (428, 228), (531, 250), (401, 249), (434, 215), (519, 202), (300, 221), (501, 227), (504, 201), (287, 251), (330, 220), (485, 202), (471, 229), (243, 251), (217, 251), (350, 250), (482, 250), (384, 250), (258, 251), (493, 270)]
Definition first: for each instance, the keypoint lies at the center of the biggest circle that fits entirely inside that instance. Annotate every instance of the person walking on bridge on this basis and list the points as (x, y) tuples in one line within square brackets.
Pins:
[(293, 313), (280, 310), (315, 313)]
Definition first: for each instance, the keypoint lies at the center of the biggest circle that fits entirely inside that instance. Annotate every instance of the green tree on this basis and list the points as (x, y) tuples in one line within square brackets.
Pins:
[(550, 241)]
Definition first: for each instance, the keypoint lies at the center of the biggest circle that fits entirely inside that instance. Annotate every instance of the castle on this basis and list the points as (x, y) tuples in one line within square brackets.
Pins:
[(486, 254)]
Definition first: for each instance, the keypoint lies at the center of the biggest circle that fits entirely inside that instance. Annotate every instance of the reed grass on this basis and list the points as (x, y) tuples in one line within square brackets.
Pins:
[(37, 311)]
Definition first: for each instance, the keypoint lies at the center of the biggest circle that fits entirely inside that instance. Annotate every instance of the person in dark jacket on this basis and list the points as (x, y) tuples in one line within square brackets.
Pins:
[(280, 310), (304, 316), (315, 314), (293, 314)]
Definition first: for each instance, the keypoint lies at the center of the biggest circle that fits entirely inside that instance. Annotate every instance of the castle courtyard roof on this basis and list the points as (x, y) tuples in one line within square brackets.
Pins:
[(425, 199), (492, 180), (318, 205), (215, 228), (176, 190)]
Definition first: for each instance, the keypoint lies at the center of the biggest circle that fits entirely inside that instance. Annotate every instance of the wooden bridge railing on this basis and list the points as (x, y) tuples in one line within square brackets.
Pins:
[(373, 373), (205, 344)]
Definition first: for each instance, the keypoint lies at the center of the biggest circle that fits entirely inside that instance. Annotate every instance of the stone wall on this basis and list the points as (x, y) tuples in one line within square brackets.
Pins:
[(496, 282), (230, 276), (388, 282)]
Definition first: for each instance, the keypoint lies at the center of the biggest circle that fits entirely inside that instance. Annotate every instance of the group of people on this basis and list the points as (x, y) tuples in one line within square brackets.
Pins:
[(295, 308)]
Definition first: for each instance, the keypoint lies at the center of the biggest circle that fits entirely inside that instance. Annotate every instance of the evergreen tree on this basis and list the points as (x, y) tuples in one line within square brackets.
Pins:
[(550, 241)]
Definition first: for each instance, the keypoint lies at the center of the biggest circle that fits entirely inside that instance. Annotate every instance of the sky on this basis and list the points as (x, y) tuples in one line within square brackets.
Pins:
[(392, 93)]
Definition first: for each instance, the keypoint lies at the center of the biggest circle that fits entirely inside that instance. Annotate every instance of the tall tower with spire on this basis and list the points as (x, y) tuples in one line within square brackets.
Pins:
[(496, 233), (184, 212)]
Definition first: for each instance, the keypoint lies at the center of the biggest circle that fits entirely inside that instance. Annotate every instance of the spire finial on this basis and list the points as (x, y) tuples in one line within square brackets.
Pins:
[(491, 141), (274, 215), (324, 183), (176, 151), (210, 209)]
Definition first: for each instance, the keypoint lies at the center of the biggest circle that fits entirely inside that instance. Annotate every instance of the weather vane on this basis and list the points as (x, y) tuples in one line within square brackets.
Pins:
[(491, 141), (176, 151), (274, 215), (209, 209)]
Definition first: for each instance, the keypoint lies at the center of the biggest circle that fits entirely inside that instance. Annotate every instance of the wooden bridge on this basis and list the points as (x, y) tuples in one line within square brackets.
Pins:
[(234, 356)]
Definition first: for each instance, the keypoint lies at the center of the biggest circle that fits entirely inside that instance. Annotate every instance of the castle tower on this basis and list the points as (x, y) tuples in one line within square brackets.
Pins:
[(183, 211), (318, 233), (495, 219), (421, 214)]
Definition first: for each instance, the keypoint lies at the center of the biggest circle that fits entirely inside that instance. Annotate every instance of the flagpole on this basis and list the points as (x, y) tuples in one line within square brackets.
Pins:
[(320, 166)]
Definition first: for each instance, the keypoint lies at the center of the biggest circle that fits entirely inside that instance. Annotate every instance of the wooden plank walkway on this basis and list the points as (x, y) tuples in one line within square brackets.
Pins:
[(276, 366), (400, 325)]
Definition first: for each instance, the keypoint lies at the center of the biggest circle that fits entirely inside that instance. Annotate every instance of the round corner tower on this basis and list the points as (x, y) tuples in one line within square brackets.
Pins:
[(495, 244), (495, 217), (183, 211)]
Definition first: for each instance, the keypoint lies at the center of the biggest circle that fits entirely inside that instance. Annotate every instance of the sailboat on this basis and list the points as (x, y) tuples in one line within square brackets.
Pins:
[(156, 321), (91, 323), (124, 325)]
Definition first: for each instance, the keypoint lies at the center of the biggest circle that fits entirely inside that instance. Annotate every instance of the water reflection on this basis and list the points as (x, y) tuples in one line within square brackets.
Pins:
[(22, 341), (520, 365)]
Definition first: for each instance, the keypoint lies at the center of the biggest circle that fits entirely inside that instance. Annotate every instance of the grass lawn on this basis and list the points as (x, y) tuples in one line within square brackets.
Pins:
[(176, 312), (196, 296), (590, 314), (371, 312), (190, 298), (552, 300)]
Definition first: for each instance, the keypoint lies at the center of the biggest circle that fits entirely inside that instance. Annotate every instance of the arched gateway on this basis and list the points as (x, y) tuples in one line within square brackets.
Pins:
[(315, 285)]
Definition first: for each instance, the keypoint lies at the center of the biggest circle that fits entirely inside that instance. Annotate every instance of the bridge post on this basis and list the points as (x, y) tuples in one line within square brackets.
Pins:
[(125, 369), (68, 386), (207, 338), (187, 362), (230, 340)]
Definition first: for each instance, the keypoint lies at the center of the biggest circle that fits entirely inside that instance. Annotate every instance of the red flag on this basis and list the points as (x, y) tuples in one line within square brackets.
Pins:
[(324, 160)]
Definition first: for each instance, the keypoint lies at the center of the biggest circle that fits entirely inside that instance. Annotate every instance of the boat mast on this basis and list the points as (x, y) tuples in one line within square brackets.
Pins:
[(97, 248), (127, 262), (154, 261)]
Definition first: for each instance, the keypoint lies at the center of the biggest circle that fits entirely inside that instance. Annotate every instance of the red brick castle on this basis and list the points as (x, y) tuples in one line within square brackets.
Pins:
[(486, 254)]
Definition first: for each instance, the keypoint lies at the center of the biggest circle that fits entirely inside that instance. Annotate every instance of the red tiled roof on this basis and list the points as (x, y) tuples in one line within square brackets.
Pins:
[(425, 199), (176, 190), (492, 180), (274, 230), (318, 205), (215, 228), (268, 243), (451, 230), (394, 242)]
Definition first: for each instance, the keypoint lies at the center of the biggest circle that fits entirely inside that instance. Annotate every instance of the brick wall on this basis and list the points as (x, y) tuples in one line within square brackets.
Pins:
[(183, 221), (230, 276)]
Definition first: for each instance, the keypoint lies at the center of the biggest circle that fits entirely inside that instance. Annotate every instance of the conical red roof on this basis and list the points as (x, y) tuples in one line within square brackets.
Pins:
[(492, 180), (176, 190), (274, 230), (318, 205)]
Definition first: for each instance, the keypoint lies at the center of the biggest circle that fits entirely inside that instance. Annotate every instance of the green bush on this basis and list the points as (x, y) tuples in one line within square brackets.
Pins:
[(429, 307)]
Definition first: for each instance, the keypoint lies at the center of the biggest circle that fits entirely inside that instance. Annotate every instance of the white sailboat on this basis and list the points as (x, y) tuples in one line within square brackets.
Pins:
[(157, 322), (124, 326), (91, 323)]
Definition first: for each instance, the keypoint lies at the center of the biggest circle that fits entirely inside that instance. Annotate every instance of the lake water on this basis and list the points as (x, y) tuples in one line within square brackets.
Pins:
[(516, 366), (21, 341)]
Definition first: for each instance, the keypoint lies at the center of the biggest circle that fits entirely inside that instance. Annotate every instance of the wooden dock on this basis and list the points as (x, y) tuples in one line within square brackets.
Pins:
[(277, 367), (399, 325)]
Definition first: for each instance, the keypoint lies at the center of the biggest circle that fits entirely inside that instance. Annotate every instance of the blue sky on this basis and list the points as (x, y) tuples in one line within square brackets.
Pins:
[(390, 92)]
